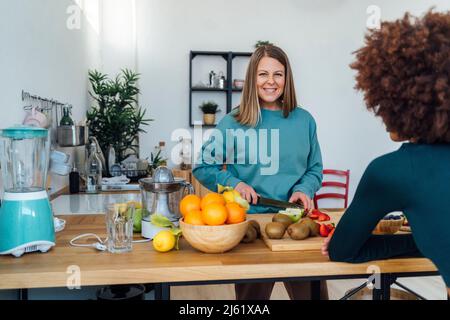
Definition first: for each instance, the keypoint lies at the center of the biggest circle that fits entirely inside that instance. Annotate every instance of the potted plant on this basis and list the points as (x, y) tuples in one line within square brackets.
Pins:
[(261, 43), (116, 119), (209, 109)]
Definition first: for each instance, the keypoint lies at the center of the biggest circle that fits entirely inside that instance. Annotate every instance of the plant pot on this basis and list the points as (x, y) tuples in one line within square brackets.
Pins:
[(209, 119)]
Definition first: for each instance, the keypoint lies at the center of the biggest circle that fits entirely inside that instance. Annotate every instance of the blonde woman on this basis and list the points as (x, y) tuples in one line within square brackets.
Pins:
[(277, 128)]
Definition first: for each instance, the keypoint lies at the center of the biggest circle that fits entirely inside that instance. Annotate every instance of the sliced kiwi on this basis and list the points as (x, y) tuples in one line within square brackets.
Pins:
[(298, 231), (283, 218), (275, 230), (250, 235)]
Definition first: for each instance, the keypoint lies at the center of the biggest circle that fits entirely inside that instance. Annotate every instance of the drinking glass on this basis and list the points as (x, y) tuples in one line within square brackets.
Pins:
[(119, 224)]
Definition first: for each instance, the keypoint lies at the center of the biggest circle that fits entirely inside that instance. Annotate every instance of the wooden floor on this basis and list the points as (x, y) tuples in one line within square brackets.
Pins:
[(432, 288)]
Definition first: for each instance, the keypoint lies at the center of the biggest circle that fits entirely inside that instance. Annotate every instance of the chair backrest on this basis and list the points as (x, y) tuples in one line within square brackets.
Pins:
[(335, 184)]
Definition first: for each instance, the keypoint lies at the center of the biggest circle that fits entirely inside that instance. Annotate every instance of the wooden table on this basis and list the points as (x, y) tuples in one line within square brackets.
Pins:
[(247, 262)]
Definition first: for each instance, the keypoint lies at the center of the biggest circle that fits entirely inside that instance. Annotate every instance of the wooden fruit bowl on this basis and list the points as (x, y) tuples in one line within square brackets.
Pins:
[(388, 226), (214, 239)]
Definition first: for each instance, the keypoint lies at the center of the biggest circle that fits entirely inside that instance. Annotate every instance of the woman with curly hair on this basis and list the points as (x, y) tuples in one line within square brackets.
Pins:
[(404, 72)]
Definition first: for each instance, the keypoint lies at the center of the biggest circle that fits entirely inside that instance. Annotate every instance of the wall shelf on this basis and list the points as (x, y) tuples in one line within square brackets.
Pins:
[(228, 90)]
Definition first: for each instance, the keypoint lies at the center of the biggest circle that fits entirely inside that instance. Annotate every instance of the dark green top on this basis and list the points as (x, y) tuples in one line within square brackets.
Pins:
[(415, 180)]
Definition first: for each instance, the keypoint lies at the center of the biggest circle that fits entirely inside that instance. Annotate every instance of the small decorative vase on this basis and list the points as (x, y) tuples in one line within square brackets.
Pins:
[(209, 119)]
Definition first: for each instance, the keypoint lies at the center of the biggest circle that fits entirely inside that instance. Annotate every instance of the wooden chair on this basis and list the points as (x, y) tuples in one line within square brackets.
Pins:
[(335, 184)]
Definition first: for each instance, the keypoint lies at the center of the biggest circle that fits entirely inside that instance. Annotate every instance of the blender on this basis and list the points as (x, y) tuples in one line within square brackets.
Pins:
[(161, 195), (26, 219)]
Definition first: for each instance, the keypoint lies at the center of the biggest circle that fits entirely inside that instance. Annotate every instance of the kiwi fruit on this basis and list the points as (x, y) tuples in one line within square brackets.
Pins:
[(275, 230), (257, 227), (313, 226), (298, 231), (250, 235), (283, 218)]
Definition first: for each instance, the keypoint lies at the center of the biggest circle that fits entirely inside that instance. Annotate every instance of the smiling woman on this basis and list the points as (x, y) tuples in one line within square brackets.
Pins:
[(268, 104)]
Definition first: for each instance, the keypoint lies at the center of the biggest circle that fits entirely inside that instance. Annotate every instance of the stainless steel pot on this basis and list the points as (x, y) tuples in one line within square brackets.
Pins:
[(72, 136)]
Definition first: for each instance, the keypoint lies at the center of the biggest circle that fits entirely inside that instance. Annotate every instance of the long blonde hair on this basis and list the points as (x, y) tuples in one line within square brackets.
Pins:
[(249, 111)]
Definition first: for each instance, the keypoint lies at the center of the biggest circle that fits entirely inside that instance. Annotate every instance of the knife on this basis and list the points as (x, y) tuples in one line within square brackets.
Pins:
[(278, 203)]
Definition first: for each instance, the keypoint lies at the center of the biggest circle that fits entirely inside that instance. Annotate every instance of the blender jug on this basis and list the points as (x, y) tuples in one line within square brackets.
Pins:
[(162, 195), (26, 219)]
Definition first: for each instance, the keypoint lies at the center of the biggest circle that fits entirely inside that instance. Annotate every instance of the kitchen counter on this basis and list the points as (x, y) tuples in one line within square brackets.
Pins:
[(89, 203), (184, 267)]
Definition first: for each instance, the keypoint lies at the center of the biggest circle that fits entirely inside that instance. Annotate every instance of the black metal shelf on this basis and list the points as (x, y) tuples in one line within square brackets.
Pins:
[(229, 90), (208, 89)]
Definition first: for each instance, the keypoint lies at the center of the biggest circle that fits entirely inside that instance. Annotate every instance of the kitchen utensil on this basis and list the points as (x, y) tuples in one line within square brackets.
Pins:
[(72, 136), (59, 156), (26, 219), (119, 225), (238, 84), (214, 239), (59, 168), (35, 118), (278, 204), (161, 195)]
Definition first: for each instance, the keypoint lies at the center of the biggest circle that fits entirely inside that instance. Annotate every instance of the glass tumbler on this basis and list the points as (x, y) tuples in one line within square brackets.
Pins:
[(119, 225)]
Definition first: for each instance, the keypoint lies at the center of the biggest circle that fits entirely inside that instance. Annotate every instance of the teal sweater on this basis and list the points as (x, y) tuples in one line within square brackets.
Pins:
[(415, 180), (291, 161)]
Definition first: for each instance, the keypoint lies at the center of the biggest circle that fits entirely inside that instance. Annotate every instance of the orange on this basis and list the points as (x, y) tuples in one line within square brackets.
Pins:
[(236, 213), (189, 203), (214, 214), (212, 198), (194, 217)]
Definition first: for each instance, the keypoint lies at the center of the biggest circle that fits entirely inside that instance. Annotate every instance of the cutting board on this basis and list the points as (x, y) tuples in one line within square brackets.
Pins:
[(286, 243)]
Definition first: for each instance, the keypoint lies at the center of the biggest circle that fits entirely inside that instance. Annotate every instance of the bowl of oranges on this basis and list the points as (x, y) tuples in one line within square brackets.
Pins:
[(214, 223)]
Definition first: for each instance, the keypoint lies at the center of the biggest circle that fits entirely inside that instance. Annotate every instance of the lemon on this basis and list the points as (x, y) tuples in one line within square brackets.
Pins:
[(137, 204), (228, 196), (121, 207), (164, 241)]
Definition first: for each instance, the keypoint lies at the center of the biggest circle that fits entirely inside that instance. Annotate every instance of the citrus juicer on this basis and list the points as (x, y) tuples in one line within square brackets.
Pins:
[(26, 219), (161, 195)]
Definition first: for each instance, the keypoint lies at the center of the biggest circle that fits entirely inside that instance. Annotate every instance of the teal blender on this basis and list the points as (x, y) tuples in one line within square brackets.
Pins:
[(26, 219)]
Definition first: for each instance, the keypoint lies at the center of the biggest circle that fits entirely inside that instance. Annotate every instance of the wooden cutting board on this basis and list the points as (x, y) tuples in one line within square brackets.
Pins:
[(286, 243)]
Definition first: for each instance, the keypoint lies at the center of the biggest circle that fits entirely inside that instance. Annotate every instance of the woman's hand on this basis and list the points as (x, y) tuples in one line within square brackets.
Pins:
[(307, 202), (325, 245), (247, 192)]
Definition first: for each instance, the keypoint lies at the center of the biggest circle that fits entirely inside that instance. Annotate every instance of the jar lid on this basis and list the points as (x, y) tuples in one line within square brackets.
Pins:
[(24, 132)]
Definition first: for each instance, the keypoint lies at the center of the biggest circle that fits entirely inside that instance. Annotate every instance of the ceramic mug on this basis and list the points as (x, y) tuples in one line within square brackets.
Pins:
[(36, 118)]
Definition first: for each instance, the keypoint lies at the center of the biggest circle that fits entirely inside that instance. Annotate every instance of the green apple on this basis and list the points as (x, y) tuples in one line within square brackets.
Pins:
[(137, 220)]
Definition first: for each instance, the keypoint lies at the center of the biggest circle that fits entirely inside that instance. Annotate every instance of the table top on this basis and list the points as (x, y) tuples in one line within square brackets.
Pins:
[(145, 265)]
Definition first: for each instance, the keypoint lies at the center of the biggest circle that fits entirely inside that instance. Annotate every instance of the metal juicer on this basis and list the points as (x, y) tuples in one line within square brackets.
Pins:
[(161, 195)]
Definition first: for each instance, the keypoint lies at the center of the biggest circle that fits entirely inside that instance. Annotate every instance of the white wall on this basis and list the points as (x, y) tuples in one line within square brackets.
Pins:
[(39, 54), (319, 37), (118, 36)]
